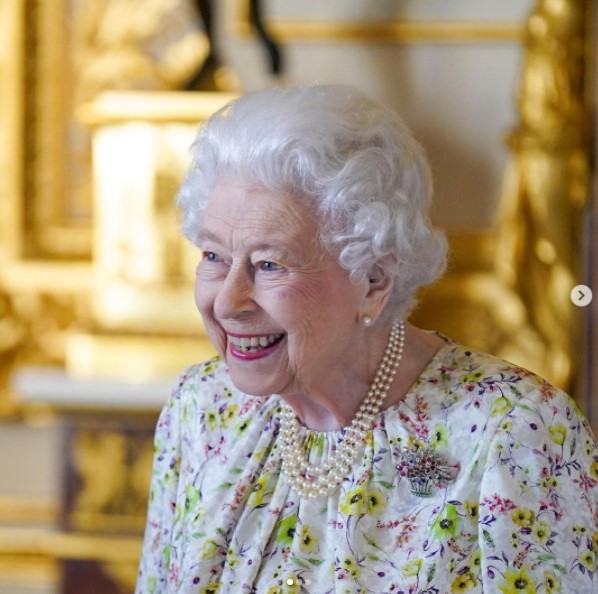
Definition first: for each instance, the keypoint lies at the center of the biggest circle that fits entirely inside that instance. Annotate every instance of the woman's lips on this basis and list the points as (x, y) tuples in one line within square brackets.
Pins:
[(254, 346)]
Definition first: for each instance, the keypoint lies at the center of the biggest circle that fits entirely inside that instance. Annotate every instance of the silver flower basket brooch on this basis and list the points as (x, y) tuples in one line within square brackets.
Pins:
[(425, 469)]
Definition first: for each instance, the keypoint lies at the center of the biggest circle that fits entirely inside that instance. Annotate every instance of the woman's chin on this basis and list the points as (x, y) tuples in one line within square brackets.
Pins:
[(253, 386)]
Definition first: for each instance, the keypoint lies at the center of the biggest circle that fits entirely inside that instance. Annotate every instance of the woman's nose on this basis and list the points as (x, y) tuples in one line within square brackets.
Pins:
[(235, 295)]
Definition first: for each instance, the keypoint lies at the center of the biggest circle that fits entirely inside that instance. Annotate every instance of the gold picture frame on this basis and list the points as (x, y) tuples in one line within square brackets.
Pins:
[(56, 48), (11, 134), (57, 217)]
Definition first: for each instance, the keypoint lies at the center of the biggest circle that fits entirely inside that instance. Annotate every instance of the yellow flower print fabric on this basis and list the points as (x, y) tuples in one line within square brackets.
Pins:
[(520, 516)]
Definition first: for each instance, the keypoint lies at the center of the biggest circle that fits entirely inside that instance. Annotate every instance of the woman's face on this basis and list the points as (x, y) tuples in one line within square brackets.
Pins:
[(280, 310)]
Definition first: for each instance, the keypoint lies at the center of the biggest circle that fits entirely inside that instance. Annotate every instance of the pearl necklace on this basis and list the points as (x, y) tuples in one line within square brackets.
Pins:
[(311, 480)]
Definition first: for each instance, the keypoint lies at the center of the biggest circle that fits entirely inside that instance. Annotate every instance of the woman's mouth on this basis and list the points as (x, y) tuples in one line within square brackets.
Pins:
[(252, 344)]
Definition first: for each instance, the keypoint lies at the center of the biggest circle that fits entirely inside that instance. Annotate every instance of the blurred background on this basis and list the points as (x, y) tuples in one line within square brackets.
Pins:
[(99, 101)]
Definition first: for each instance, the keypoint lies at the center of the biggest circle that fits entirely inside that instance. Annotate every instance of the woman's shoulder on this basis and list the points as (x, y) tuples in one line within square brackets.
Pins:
[(500, 384), (479, 390)]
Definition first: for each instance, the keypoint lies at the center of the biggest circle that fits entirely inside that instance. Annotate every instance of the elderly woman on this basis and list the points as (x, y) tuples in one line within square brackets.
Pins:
[(332, 446)]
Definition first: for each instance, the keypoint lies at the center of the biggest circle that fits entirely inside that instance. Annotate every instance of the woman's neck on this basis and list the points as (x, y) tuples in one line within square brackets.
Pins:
[(326, 410)]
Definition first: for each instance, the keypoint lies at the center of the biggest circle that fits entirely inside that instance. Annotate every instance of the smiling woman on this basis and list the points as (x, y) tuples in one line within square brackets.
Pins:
[(265, 276), (332, 446)]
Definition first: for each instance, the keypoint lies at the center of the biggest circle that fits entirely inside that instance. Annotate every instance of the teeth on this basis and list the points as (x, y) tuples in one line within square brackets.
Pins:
[(253, 343)]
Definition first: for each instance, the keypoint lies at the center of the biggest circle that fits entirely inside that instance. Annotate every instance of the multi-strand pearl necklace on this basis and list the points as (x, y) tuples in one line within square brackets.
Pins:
[(311, 480)]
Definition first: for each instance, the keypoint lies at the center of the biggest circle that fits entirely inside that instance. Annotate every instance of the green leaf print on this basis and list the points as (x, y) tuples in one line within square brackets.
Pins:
[(488, 539)]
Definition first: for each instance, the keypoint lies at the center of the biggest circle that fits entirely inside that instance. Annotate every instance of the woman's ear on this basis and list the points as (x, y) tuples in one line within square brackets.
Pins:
[(378, 291)]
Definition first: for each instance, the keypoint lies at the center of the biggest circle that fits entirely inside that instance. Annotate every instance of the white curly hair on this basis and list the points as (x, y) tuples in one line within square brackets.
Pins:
[(349, 158)]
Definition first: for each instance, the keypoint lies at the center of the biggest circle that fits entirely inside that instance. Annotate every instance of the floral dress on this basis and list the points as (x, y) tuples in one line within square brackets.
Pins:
[(519, 515)]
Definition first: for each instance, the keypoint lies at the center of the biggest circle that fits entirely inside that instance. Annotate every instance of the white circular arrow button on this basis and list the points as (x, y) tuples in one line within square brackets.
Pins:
[(581, 295)]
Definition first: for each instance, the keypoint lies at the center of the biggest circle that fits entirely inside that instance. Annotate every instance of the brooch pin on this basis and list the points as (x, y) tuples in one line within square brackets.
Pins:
[(424, 469)]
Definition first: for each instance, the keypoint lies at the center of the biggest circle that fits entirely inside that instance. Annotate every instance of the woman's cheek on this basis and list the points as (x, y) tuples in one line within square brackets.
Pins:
[(215, 333), (200, 301), (206, 288), (303, 294)]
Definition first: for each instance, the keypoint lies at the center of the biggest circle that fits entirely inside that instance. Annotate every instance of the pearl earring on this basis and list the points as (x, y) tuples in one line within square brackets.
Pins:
[(367, 320)]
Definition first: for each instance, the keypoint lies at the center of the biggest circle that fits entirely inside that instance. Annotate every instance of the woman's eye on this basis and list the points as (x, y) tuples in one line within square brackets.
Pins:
[(267, 266), (210, 256)]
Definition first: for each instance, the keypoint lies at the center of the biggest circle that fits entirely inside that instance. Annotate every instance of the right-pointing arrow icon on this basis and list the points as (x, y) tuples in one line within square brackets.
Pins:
[(581, 295)]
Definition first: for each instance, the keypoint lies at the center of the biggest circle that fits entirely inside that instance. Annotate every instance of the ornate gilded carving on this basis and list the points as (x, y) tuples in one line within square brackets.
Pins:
[(547, 184), (12, 338), (112, 468), (33, 330), (149, 45)]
